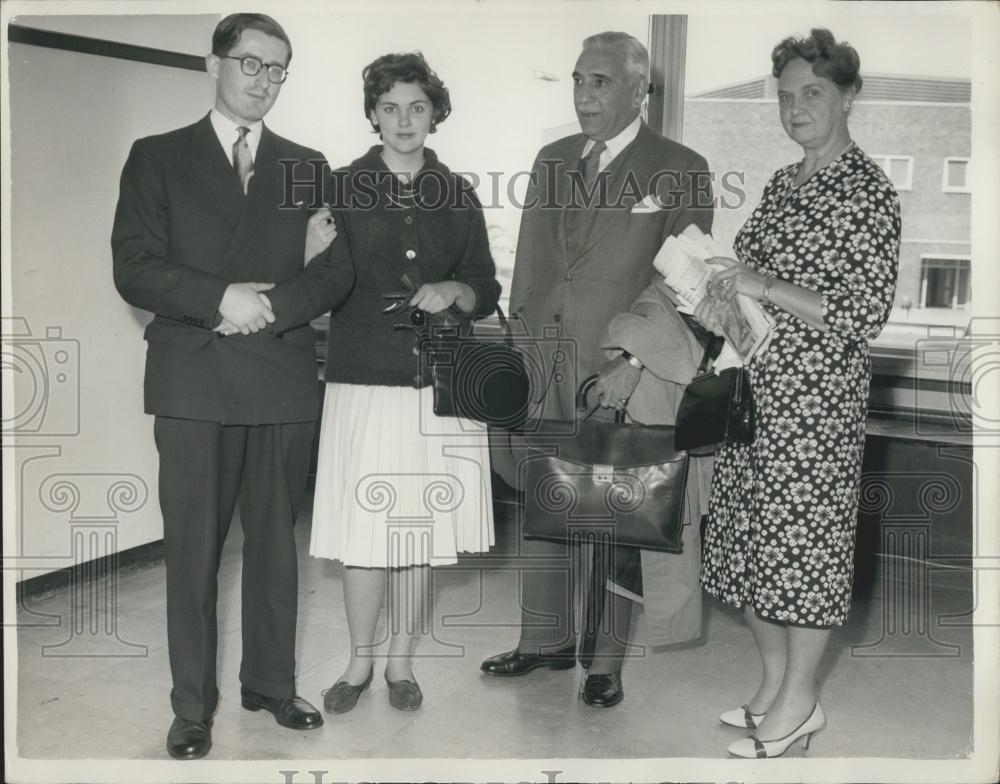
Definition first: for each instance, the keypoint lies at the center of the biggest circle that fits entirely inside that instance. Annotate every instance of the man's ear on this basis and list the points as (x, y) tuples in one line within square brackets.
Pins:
[(212, 64), (641, 90)]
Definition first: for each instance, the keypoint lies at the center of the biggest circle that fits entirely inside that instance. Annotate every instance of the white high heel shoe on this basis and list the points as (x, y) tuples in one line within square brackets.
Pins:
[(742, 717), (754, 748)]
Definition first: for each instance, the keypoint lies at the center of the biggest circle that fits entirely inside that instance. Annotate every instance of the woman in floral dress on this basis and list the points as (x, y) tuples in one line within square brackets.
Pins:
[(820, 251)]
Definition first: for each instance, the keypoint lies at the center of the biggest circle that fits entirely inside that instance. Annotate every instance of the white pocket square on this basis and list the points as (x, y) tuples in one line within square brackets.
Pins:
[(649, 204)]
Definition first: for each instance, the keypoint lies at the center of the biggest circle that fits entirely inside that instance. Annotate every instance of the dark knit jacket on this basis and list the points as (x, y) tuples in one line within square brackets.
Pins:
[(442, 238)]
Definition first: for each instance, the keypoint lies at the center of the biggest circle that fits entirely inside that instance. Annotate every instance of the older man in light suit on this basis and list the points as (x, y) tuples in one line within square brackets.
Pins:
[(578, 265)]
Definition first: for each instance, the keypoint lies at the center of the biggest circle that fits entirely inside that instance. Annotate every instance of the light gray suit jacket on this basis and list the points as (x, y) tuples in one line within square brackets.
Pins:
[(654, 332), (565, 295)]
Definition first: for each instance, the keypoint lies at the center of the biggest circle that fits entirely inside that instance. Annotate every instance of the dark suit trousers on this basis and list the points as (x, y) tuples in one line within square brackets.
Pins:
[(204, 468), (553, 572)]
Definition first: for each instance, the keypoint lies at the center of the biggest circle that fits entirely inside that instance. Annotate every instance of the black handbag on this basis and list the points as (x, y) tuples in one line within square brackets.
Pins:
[(475, 377), (622, 482), (715, 408)]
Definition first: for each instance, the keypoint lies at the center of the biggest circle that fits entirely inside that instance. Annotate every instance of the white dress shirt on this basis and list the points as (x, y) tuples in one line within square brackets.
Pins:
[(615, 145), (225, 129)]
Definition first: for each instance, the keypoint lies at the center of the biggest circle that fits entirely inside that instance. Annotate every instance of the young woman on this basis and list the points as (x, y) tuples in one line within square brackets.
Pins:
[(398, 489)]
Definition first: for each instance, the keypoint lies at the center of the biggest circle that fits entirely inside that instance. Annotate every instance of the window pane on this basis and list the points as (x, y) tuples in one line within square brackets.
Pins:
[(963, 287), (945, 283), (957, 173), (899, 172)]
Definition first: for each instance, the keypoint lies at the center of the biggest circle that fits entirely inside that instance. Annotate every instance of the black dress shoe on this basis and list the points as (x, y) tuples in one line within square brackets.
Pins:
[(188, 740), (343, 696), (292, 712), (517, 663), (404, 694), (603, 691)]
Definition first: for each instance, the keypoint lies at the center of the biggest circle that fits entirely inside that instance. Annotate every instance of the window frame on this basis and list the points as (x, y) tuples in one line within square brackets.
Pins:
[(945, 187), (957, 257), (908, 159)]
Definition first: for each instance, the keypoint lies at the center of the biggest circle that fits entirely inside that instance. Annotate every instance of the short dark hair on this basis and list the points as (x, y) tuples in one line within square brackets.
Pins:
[(382, 73), (838, 62), (228, 31)]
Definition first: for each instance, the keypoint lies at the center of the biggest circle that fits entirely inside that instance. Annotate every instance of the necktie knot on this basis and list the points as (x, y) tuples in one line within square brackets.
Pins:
[(597, 149), (242, 160)]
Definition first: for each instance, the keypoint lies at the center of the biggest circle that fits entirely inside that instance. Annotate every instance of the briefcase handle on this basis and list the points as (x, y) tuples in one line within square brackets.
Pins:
[(583, 407)]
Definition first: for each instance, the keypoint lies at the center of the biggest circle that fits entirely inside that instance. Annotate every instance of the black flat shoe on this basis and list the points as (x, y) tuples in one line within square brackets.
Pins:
[(404, 694), (343, 696), (603, 691), (516, 663), (292, 712), (188, 740)]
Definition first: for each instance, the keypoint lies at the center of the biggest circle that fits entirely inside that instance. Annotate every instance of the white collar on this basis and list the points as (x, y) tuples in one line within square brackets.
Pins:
[(615, 145), (225, 130)]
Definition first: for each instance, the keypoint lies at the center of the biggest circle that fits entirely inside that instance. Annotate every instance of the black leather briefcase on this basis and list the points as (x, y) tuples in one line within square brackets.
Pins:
[(624, 477)]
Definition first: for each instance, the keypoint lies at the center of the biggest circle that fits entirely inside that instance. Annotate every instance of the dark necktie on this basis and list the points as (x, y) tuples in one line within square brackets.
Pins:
[(242, 161), (579, 218), (590, 163)]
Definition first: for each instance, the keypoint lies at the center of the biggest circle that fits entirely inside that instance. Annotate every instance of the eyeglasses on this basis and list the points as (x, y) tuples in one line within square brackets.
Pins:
[(251, 66)]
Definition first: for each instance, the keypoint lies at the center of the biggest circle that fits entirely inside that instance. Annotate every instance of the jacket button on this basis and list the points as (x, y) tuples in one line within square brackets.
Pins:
[(408, 220), (557, 318), (411, 254), (568, 277), (416, 380)]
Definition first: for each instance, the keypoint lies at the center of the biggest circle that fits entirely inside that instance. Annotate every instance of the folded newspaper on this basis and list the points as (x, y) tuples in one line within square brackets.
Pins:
[(682, 262)]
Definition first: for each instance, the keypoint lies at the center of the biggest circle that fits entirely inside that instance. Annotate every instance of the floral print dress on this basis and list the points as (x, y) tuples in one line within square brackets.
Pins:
[(781, 527)]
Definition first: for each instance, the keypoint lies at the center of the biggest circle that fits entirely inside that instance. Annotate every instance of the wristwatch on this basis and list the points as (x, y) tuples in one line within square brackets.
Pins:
[(633, 361)]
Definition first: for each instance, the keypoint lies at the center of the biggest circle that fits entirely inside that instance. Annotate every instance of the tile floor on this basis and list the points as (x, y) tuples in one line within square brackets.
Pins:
[(99, 690)]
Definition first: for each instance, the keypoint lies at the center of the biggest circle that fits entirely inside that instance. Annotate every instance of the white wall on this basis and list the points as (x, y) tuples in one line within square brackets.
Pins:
[(84, 459)]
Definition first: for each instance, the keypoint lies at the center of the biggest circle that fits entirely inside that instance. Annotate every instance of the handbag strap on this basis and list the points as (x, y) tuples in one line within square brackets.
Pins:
[(505, 326), (712, 342), (706, 361)]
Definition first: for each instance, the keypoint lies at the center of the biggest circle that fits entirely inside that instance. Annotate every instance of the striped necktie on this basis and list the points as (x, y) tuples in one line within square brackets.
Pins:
[(242, 161)]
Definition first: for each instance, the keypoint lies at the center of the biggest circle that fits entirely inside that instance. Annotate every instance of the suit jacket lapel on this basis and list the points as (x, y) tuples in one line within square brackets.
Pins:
[(209, 165), (261, 196), (564, 194), (633, 161), (611, 209)]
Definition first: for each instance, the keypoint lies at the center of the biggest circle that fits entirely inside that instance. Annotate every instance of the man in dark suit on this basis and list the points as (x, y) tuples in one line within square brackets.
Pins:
[(577, 266), (209, 236)]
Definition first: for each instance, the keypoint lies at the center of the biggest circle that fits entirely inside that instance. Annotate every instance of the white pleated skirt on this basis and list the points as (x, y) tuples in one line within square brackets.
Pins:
[(395, 484)]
